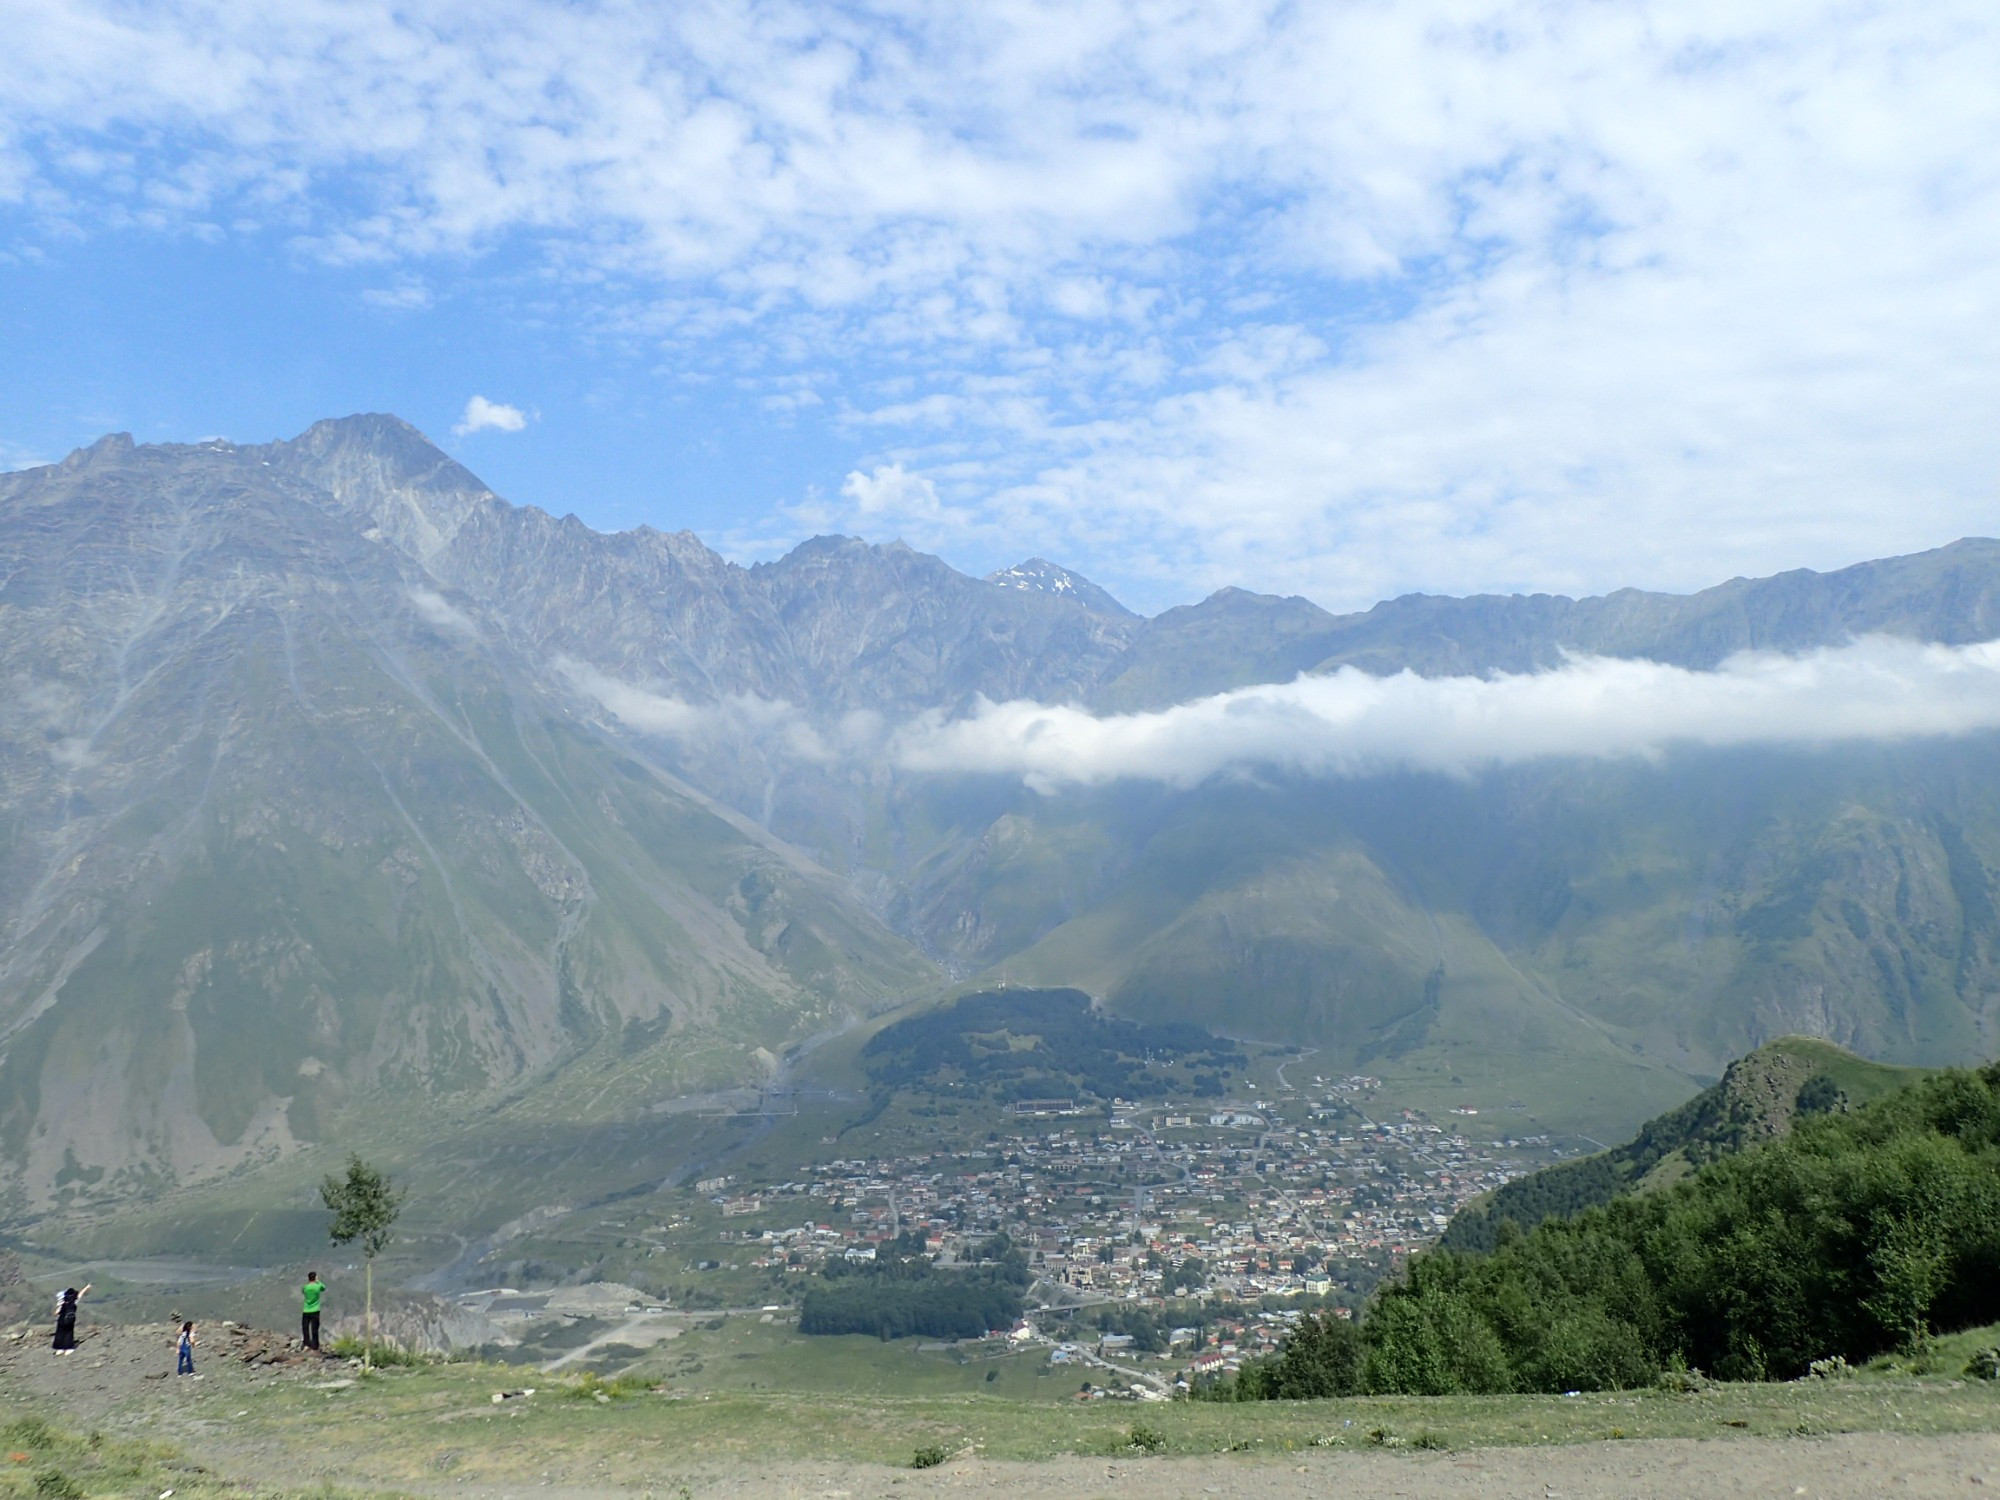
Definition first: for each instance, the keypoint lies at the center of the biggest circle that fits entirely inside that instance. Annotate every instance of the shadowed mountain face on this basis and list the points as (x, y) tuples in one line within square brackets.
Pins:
[(330, 776)]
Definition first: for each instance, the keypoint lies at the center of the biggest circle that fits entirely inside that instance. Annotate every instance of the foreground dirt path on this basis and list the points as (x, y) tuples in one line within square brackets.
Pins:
[(1853, 1466)]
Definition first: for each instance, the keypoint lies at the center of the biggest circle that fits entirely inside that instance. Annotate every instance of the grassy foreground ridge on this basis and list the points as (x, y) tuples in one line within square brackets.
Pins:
[(422, 1426)]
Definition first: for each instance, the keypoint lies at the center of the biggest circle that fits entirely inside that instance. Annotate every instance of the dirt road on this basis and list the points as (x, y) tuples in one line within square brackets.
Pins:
[(1849, 1467)]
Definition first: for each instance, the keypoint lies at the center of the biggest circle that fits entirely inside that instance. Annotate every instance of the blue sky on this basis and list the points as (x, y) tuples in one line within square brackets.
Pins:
[(1341, 300)]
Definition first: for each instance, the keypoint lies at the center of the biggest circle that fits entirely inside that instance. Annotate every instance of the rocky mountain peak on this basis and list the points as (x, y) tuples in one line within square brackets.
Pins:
[(415, 494), (1040, 576), (112, 446)]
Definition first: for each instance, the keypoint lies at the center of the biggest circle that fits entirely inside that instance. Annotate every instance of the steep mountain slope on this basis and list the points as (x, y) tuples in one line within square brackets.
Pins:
[(285, 829), (328, 775), (835, 625), (1669, 916), (1691, 935)]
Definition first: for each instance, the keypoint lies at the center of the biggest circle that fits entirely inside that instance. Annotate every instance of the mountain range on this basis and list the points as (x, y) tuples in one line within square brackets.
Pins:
[(329, 776)]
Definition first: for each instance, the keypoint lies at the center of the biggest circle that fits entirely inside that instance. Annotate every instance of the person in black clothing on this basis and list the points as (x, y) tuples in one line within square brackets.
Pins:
[(65, 1341)]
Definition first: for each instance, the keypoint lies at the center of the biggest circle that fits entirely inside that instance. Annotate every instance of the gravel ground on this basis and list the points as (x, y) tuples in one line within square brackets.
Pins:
[(1848, 1467), (116, 1365)]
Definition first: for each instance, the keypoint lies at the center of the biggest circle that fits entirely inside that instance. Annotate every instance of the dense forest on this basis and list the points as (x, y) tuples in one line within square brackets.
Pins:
[(1033, 1044), (903, 1293), (1756, 1100), (1856, 1234)]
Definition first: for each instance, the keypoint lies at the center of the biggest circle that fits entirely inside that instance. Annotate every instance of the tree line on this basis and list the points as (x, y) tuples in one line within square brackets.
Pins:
[(902, 1293), (1027, 1044)]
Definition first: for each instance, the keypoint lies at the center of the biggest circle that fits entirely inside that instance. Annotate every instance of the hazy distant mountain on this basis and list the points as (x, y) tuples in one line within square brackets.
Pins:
[(327, 774), (284, 826)]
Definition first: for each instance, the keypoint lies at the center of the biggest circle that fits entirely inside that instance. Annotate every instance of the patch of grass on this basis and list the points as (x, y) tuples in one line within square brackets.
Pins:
[(443, 1420), (447, 1409), (31, 1433), (590, 1386), (386, 1354), (49, 1462)]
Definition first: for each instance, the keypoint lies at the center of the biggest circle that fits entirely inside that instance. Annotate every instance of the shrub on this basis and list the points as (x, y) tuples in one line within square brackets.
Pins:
[(1433, 1344), (1147, 1440), (1321, 1357), (929, 1456), (590, 1386), (28, 1432), (386, 1353), (1985, 1365)]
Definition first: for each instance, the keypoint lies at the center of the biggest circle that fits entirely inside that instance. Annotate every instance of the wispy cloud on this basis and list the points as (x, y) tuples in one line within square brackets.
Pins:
[(442, 613), (482, 415), (1345, 299), (403, 296), (742, 717), (1351, 724), (13, 457)]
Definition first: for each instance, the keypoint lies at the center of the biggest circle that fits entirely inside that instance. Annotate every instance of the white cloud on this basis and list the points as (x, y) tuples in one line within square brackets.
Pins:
[(482, 415), (1348, 723), (404, 296), (891, 491), (14, 457), (1352, 724), (737, 716), (442, 613), (1340, 298)]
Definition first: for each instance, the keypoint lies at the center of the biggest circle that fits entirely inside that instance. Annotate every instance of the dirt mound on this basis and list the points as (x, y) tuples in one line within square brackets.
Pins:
[(117, 1364)]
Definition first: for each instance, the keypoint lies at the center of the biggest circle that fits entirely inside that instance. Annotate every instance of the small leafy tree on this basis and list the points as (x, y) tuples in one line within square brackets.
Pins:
[(364, 1205), (1321, 1357)]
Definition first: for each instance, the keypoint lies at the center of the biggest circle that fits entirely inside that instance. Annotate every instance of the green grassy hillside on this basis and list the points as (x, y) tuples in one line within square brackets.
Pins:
[(1756, 1100)]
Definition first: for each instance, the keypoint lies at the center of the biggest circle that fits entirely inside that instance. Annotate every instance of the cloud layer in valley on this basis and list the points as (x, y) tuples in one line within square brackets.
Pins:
[(1349, 723), (1336, 299), (743, 718)]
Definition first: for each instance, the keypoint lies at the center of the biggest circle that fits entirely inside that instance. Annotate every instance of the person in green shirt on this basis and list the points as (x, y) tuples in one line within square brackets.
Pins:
[(309, 1296)]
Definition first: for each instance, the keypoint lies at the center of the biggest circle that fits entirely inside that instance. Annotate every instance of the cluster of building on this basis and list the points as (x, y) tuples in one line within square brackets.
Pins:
[(1254, 1207)]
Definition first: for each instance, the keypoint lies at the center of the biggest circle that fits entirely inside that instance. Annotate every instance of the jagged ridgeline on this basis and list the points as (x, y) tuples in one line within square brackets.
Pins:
[(335, 788), (1757, 1099), (1013, 1045)]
